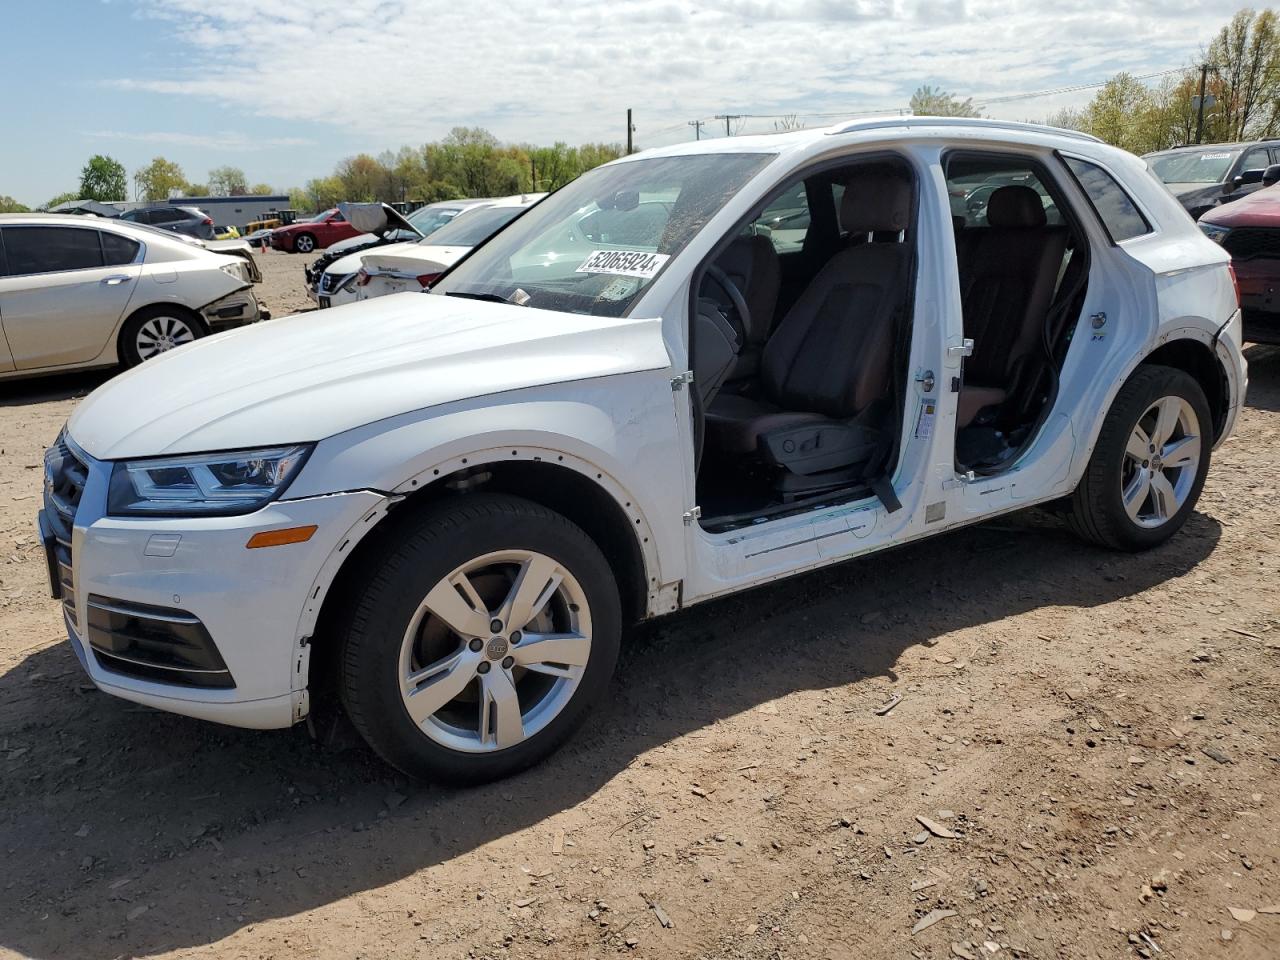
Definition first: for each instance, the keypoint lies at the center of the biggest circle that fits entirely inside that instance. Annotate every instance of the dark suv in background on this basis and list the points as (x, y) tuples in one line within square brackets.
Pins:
[(1204, 176), (191, 221)]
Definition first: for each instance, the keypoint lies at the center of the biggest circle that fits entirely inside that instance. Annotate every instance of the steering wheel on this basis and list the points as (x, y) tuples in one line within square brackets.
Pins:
[(742, 320)]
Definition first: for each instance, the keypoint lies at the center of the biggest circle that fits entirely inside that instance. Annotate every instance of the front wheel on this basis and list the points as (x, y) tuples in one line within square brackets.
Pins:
[(1149, 465), (480, 639), (304, 243)]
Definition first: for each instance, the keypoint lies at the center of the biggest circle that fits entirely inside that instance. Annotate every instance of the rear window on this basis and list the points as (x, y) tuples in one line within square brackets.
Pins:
[(51, 249), (1115, 209), (473, 226), (118, 250)]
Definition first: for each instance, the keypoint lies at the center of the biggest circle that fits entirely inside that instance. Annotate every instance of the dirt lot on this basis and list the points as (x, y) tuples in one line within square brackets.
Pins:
[(1093, 741)]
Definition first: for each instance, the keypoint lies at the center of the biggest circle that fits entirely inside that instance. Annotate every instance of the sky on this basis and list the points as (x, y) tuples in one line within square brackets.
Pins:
[(284, 90)]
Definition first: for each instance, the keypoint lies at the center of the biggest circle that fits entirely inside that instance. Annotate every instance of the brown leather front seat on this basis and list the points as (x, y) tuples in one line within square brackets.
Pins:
[(1008, 271), (751, 263), (831, 356)]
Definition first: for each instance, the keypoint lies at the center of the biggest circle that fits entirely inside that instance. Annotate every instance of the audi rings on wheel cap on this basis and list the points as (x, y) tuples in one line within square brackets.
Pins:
[(479, 695)]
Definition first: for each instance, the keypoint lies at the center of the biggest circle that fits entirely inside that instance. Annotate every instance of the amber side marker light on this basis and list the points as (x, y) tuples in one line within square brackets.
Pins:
[(279, 538)]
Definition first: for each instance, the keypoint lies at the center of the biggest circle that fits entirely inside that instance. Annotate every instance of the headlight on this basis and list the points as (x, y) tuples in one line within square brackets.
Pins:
[(236, 270), (1214, 232), (209, 484)]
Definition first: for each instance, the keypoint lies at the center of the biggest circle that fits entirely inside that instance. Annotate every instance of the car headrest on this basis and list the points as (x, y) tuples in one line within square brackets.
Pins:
[(1015, 206), (876, 203)]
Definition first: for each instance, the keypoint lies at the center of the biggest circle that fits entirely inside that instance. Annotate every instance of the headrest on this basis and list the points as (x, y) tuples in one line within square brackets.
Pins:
[(876, 203), (1015, 206)]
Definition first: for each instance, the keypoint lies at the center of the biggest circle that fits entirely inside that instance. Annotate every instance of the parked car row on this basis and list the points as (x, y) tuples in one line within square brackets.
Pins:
[(689, 372), (78, 292)]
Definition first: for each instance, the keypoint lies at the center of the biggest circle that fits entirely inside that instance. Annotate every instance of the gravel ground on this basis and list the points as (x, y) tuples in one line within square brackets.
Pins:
[(1084, 763)]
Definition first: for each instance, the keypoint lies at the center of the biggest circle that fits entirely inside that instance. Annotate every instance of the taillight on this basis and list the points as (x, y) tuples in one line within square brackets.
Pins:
[(1235, 282), (208, 222), (362, 277), (427, 279)]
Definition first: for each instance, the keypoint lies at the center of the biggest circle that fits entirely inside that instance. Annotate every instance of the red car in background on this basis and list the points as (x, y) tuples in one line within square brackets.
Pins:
[(316, 233), (1249, 230)]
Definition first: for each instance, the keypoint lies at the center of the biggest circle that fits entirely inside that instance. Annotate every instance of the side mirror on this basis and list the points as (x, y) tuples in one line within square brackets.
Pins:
[(1249, 176), (1271, 175), (366, 217), (1231, 186)]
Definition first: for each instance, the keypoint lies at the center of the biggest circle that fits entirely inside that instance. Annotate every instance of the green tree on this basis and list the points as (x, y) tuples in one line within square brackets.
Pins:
[(1117, 110), (928, 102), (61, 198), (103, 179), (261, 190), (227, 182), (362, 178), (1246, 78), (160, 180), (10, 205)]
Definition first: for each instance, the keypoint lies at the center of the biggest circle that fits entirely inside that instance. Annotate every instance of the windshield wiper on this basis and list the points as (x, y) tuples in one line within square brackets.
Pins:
[(487, 297)]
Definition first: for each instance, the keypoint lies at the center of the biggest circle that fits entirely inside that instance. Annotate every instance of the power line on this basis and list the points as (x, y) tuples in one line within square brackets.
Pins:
[(1072, 89), (697, 128), (726, 117)]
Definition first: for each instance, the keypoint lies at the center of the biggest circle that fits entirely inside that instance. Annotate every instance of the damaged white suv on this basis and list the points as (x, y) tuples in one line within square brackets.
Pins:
[(758, 356)]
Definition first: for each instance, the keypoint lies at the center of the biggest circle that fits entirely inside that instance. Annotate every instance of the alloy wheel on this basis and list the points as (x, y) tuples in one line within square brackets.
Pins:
[(1161, 460), (161, 334), (495, 651)]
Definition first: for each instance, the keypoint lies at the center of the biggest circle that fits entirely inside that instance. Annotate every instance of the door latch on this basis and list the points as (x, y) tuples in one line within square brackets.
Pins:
[(963, 349), (678, 382), (1099, 320), (926, 381), (960, 480)]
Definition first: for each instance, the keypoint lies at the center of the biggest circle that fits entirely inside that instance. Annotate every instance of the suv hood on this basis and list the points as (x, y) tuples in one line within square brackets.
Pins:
[(1258, 209), (310, 376)]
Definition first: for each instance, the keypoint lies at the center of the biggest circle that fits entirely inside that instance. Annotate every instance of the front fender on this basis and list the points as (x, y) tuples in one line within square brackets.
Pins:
[(619, 432)]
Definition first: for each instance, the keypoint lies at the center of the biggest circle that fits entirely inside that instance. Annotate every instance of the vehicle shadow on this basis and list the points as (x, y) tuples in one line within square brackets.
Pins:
[(111, 812), (1264, 377), (63, 386)]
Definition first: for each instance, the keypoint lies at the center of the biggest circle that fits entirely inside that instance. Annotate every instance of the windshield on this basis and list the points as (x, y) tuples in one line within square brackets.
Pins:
[(321, 216), (1192, 166), (472, 226), (597, 244), (428, 220)]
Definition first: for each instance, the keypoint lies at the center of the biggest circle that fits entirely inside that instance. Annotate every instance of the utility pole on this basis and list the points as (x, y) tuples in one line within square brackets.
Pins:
[(533, 175), (727, 117), (630, 129), (1204, 75), (697, 128)]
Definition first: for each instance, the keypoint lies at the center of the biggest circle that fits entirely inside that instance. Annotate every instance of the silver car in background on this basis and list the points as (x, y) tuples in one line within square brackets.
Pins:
[(78, 292)]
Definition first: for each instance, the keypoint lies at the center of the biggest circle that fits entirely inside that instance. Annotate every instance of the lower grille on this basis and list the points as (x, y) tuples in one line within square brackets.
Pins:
[(1249, 243), (154, 643), (64, 480)]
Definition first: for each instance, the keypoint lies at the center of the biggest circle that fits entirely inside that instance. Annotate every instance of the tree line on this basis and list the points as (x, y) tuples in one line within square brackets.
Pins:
[(1242, 76), (469, 162)]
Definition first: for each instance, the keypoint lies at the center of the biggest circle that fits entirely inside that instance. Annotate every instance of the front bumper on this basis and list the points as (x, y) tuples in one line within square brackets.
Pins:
[(194, 578), (235, 310)]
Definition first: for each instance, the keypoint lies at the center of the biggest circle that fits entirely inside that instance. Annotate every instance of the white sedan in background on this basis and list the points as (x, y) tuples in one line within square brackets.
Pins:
[(79, 292), (415, 266)]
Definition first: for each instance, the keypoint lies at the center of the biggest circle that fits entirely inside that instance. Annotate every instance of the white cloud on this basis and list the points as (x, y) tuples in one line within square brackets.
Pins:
[(394, 71), (231, 141)]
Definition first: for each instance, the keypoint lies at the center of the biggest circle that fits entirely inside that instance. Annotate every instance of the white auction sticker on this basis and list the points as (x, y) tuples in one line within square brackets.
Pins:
[(624, 263)]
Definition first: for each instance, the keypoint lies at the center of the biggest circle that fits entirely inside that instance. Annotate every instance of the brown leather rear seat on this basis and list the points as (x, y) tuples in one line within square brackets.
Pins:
[(1008, 271)]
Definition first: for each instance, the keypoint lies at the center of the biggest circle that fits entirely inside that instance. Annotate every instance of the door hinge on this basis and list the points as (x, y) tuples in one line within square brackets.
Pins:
[(692, 514), (958, 351), (960, 480), (677, 383)]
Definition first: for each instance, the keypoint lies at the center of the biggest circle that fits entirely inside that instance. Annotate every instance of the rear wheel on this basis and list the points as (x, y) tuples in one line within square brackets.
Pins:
[(304, 243), (480, 640), (1149, 465), (156, 330)]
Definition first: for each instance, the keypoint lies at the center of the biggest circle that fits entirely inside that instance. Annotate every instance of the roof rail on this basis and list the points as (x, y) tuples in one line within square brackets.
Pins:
[(885, 123)]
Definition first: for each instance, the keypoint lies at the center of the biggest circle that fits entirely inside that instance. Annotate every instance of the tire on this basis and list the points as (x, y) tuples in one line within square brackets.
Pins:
[(155, 330), (1158, 409), (397, 653), (304, 243)]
